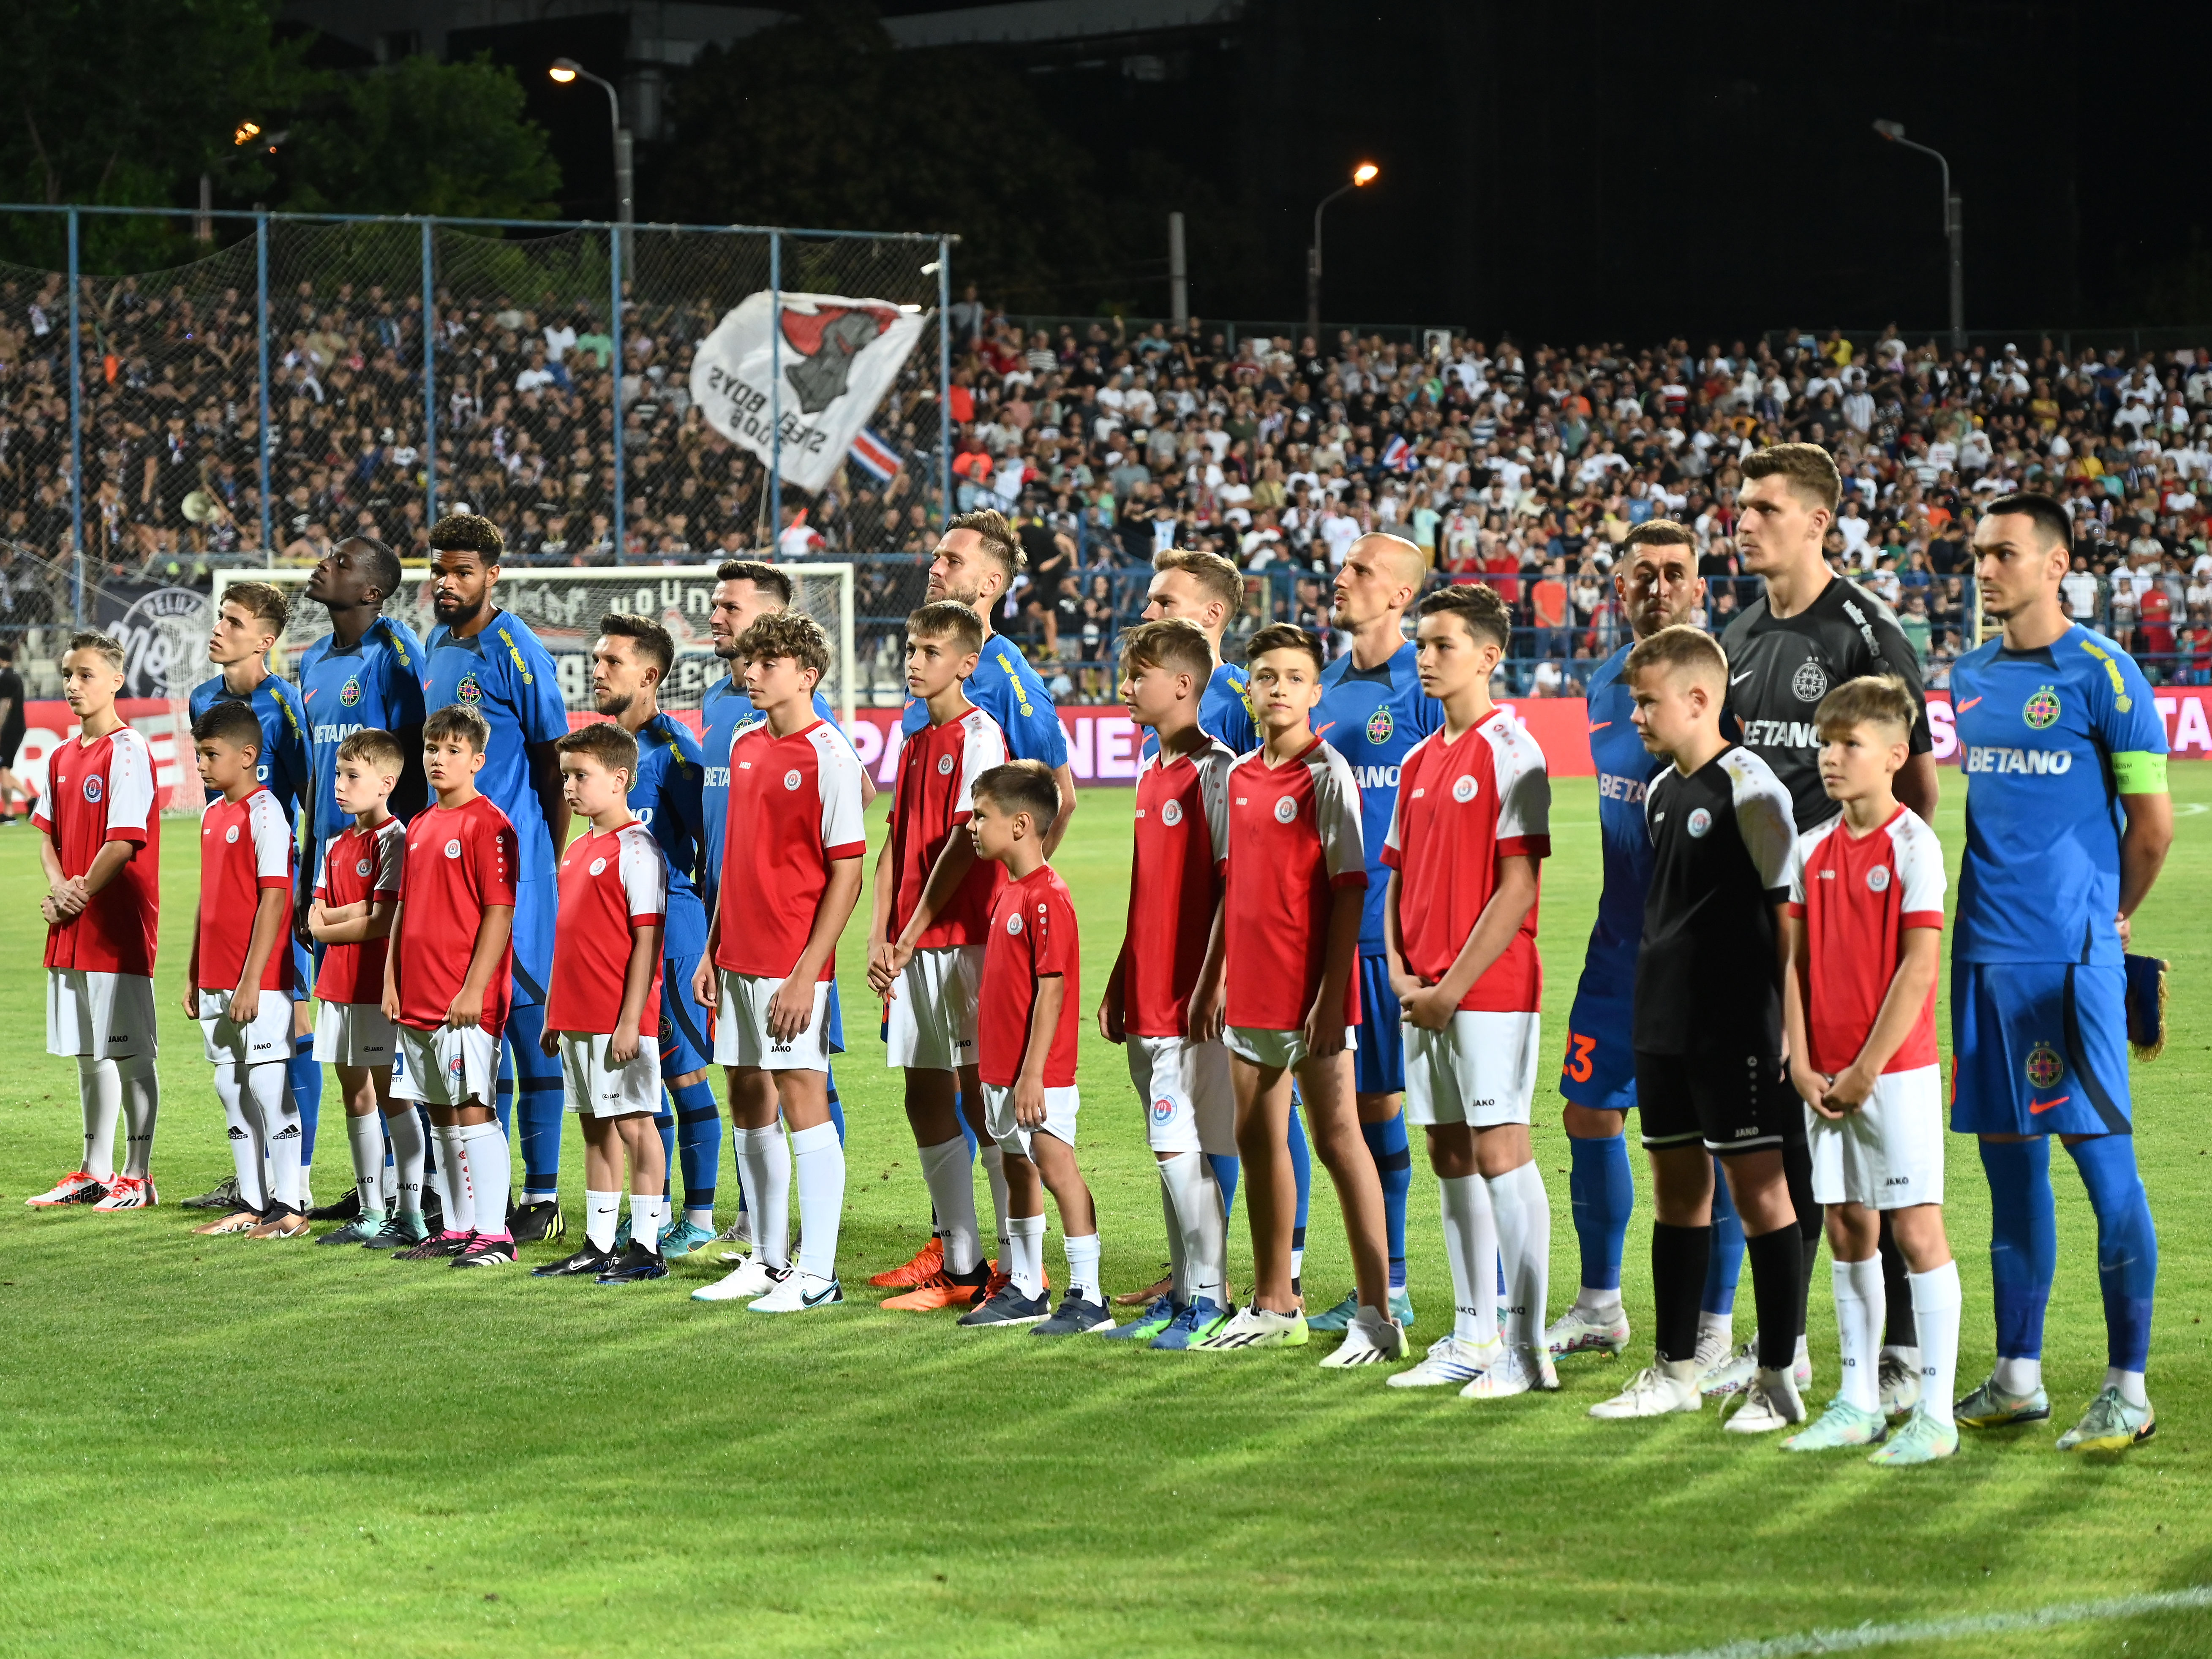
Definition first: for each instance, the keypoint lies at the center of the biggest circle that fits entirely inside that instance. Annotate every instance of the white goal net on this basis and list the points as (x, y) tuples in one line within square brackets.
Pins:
[(563, 607)]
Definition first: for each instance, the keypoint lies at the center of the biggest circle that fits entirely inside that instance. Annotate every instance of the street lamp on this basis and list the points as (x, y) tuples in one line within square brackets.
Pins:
[(567, 70), (1954, 227), (1365, 174)]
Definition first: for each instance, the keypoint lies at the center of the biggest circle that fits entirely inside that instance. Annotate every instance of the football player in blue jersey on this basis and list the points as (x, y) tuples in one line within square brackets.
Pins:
[(1207, 589), (247, 625), (630, 661), (1656, 584), (487, 659), (2068, 824), (1372, 711), (746, 590)]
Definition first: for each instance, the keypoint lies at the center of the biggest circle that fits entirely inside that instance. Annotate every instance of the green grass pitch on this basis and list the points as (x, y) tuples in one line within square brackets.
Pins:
[(212, 1447)]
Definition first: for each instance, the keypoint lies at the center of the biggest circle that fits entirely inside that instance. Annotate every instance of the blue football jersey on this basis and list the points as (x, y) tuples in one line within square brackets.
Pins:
[(2037, 731), (666, 796), (724, 712), (375, 685), (1372, 716), (1224, 714), (1624, 766), (1004, 687), (287, 765), (508, 675)]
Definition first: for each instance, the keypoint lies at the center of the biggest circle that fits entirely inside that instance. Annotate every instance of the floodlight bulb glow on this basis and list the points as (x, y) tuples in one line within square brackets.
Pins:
[(1365, 173), (246, 130), (562, 72)]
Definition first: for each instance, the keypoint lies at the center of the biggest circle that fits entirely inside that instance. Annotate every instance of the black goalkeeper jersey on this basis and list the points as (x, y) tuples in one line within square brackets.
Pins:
[(1780, 668)]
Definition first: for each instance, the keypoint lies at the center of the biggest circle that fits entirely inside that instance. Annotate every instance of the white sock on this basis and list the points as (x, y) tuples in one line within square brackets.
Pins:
[(2129, 1383), (1195, 1197), (1297, 1262), (243, 1126), (1802, 1354), (1470, 1247), (491, 1173), (406, 1130), (1936, 1312), (645, 1215), (459, 1198), (993, 1160), (952, 1183), (269, 1091), (1178, 1258), (602, 1214), (1024, 1262), (365, 1136), (702, 1219), (141, 1104), (1523, 1216), (1720, 1327), (818, 1158), (764, 1173), (1859, 1309), (2017, 1377), (1594, 1303), (100, 1091), (1082, 1265)]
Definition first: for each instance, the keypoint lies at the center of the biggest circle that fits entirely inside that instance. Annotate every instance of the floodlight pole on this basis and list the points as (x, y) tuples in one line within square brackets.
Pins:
[(1954, 228)]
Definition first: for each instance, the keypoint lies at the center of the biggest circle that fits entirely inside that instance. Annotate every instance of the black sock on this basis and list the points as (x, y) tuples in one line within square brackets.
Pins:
[(1897, 1292), (1778, 1291), (1678, 1255), (1797, 1171)]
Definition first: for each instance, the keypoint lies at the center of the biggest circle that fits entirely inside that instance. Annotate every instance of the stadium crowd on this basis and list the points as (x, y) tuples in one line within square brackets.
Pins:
[(1526, 467)]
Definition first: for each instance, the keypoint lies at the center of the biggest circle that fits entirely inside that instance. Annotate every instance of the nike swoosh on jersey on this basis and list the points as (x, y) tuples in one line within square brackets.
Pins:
[(1323, 730), (1738, 679), (1600, 726), (2039, 1106), (1964, 705)]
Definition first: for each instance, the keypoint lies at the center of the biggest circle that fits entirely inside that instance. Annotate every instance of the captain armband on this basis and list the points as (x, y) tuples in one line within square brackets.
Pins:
[(2139, 772)]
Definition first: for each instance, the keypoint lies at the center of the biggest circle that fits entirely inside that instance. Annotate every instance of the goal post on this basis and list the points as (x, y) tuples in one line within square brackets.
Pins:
[(563, 606)]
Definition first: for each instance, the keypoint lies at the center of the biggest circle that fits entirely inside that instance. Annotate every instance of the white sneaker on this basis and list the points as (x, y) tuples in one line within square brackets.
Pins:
[(1651, 1392), (1256, 1327), (1900, 1385), (739, 1235), (1371, 1339), (1732, 1372), (798, 1292), (1451, 1362), (752, 1276), (1771, 1403), (1517, 1371), (1580, 1331), (1714, 1342)]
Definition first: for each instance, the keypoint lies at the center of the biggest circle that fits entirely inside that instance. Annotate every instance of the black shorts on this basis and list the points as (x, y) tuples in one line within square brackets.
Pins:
[(11, 743), (1730, 1101)]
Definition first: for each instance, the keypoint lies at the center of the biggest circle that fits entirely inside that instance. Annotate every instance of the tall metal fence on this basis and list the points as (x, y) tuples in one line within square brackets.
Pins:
[(316, 376)]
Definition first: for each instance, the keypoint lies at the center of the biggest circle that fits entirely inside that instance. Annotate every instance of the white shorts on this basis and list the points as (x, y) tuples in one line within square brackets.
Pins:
[(598, 1088), (354, 1033), (99, 1015), (1282, 1049), (1481, 1070), (930, 1024), (269, 1038), (1060, 1110), (1889, 1154), (444, 1066), (741, 1036), (1189, 1106)]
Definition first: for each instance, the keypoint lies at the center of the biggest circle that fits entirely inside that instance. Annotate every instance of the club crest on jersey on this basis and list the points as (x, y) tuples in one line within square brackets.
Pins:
[(468, 691), (2042, 710), (1810, 682), (362, 869), (1163, 1110), (1878, 879), (1700, 821), (2044, 1067), (92, 788), (1014, 922), (667, 1030), (598, 864), (1286, 808), (1380, 726), (349, 694), (791, 779), (453, 850), (944, 766), (1171, 813), (231, 834), (1463, 789)]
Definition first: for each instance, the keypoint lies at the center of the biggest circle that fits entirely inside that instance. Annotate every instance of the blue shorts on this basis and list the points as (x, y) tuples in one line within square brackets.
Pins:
[(1599, 1071), (306, 963), (534, 903), (833, 1034), (1379, 1053), (2040, 1049), (684, 1046)]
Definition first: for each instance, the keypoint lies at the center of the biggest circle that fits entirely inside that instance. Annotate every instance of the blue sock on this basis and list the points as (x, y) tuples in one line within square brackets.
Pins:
[(307, 1090), (1394, 1163), (836, 1117), (1301, 1170), (699, 1133), (1725, 1265), (664, 1124), (2023, 1241), (538, 1102), (1602, 1194), (1225, 1170), (2127, 1246)]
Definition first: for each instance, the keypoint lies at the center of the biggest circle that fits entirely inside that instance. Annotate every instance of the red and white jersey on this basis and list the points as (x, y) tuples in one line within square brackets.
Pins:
[(1293, 838), (96, 792), (1857, 896), (1463, 806), (1033, 937), (935, 795), (613, 882), (1175, 884), (461, 862), (359, 867), (794, 810), (245, 848)]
